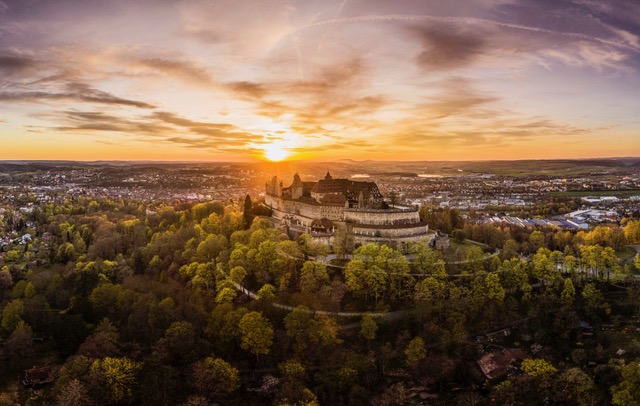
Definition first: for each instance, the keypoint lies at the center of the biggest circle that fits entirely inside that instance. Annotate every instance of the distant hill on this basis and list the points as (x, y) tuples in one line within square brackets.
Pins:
[(350, 167)]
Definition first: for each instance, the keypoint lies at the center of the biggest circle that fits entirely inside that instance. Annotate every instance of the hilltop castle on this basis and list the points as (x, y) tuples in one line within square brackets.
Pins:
[(320, 208)]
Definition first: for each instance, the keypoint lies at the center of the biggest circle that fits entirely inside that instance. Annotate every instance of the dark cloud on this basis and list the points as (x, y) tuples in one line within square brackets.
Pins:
[(351, 109), (448, 46), (178, 68), (12, 64), (219, 131), (330, 80), (458, 97), (91, 116), (92, 121), (161, 126), (504, 130), (361, 106), (86, 93), (314, 116), (203, 35), (74, 92), (251, 90), (362, 146), (326, 83)]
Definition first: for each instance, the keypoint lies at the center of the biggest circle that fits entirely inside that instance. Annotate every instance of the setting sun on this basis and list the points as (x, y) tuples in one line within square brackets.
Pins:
[(276, 151)]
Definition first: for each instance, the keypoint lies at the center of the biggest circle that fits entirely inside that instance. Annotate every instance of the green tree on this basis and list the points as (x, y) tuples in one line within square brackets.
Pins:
[(180, 342), (205, 276), (537, 367), (459, 235), (537, 240), (430, 290), (291, 368), (368, 328), (570, 265), (6, 281), (247, 212), (493, 289), (119, 376), (627, 392), (74, 393), (30, 291), (13, 255), (632, 231), (576, 386), (310, 334), (474, 258), (238, 274), (226, 295), (12, 314), (365, 282), (510, 249), (264, 260), (302, 328), (312, 276), (19, 341), (343, 242), (214, 377), (595, 305), (568, 292), (545, 266), (424, 258), (103, 342), (257, 333), (267, 293), (415, 351)]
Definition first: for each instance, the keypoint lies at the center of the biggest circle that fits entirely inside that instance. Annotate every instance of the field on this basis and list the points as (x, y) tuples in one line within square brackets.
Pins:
[(621, 194)]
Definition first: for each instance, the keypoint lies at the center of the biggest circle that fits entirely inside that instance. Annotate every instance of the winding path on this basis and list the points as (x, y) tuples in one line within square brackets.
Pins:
[(381, 315), (388, 316)]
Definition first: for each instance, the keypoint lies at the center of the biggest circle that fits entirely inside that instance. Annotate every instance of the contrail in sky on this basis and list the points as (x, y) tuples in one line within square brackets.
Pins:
[(296, 46), (467, 20), (335, 16)]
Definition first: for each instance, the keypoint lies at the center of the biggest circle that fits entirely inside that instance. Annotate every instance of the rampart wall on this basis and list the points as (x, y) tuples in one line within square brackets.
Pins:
[(418, 230), (382, 217)]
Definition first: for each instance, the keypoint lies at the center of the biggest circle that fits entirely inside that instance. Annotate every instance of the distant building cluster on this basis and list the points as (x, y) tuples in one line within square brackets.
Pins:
[(579, 219)]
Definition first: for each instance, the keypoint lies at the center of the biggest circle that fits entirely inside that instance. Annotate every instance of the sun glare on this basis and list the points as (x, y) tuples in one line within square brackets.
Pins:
[(276, 151)]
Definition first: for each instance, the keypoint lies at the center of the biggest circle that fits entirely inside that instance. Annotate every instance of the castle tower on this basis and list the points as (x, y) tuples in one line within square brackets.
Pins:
[(297, 187), (274, 188)]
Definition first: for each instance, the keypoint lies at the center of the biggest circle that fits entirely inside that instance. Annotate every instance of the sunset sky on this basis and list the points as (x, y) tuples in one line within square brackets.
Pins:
[(235, 80)]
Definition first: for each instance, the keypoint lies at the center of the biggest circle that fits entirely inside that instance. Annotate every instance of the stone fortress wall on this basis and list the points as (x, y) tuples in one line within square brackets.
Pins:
[(395, 216)]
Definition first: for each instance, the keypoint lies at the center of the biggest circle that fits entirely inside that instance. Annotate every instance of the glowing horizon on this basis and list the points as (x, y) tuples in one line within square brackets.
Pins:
[(320, 80)]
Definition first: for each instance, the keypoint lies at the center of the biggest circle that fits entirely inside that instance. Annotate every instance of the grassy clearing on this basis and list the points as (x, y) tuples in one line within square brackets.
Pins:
[(458, 251), (625, 254)]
